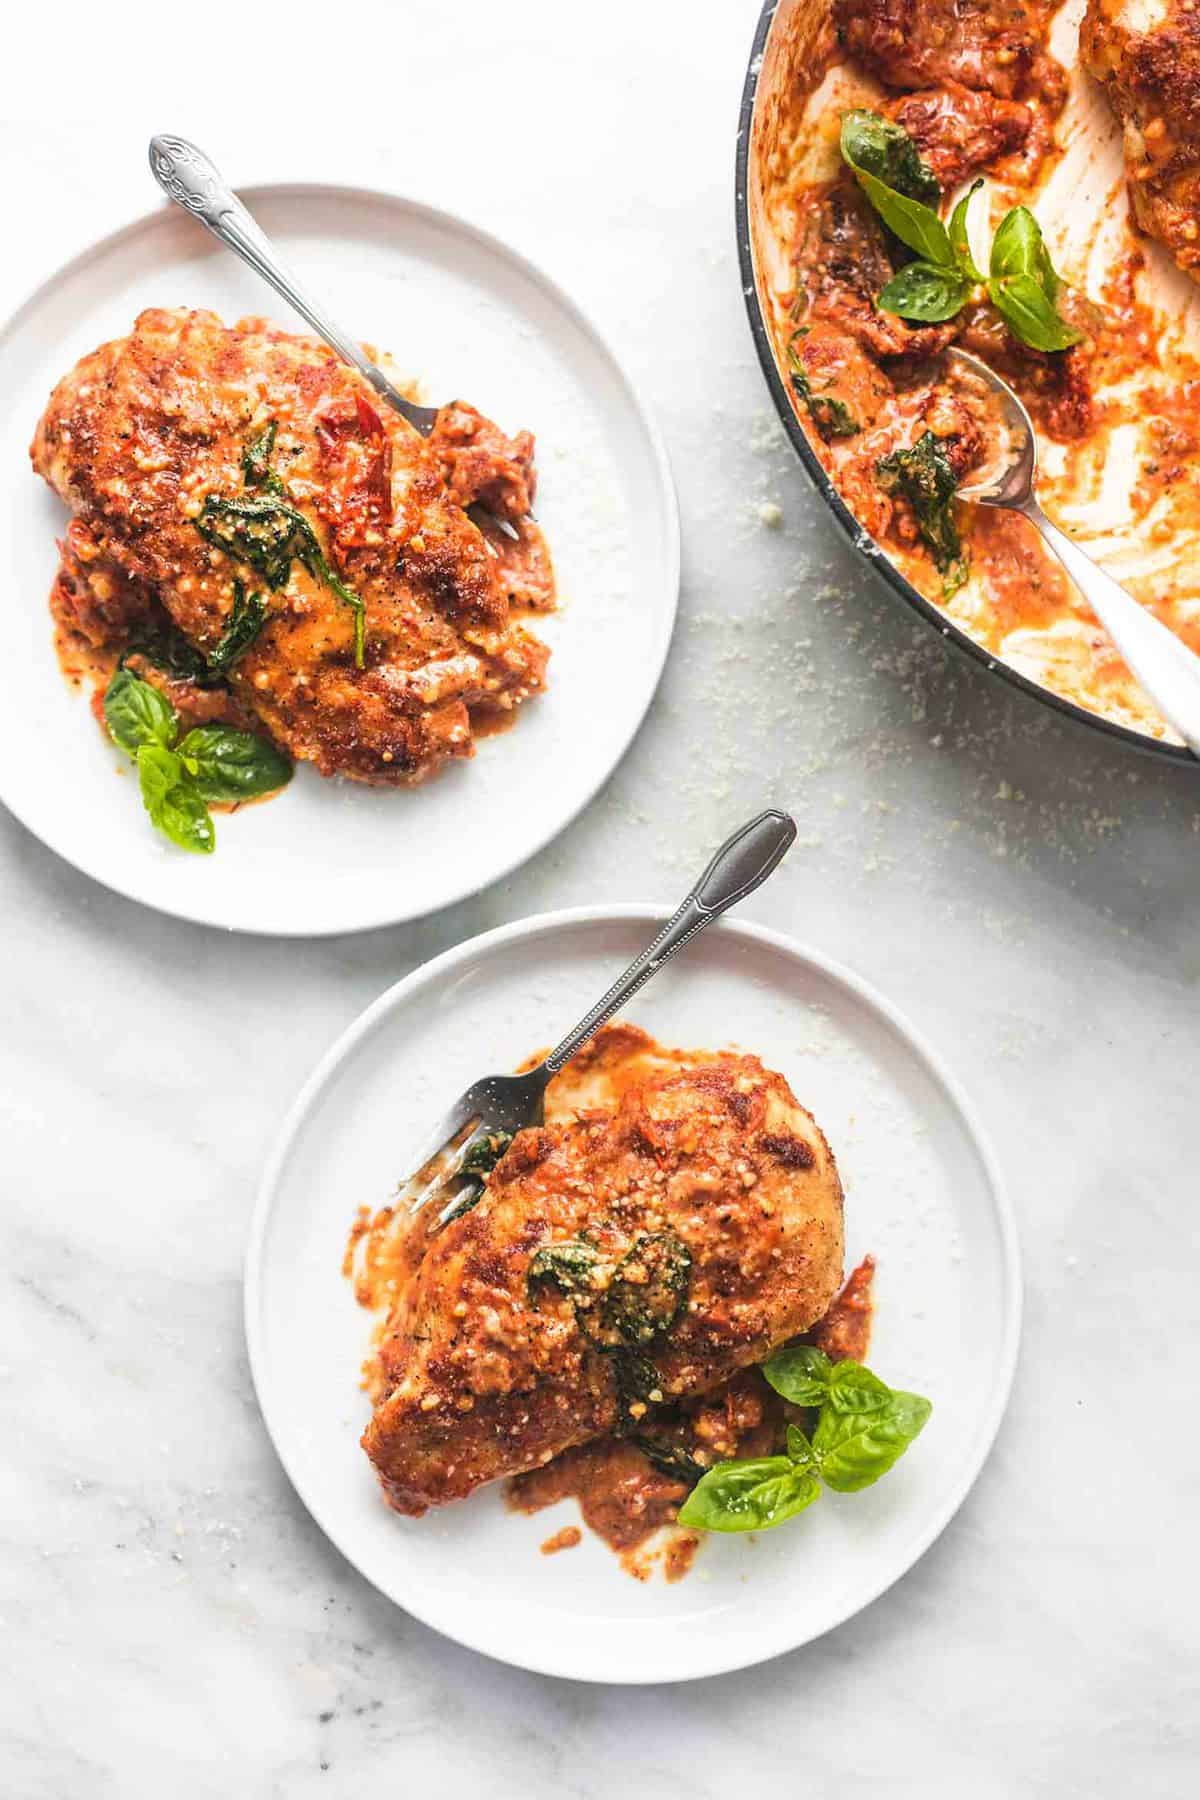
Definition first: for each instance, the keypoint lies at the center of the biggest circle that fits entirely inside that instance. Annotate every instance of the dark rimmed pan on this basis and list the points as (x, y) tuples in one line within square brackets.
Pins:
[(775, 35)]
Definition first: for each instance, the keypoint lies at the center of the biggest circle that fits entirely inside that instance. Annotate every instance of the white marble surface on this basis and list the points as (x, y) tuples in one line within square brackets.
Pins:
[(172, 1620)]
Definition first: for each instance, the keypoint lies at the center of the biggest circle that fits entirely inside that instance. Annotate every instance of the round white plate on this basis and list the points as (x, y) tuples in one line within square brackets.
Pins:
[(468, 317), (922, 1194)]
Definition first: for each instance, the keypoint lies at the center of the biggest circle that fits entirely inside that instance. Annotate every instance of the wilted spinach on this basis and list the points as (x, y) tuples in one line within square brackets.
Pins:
[(925, 478)]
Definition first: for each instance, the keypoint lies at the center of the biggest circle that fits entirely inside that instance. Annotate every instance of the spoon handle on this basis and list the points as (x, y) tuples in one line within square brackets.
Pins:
[(187, 176), (741, 864), (1162, 663)]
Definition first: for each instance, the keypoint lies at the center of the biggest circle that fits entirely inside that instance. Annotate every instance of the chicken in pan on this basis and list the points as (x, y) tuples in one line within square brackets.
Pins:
[(1147, 54)]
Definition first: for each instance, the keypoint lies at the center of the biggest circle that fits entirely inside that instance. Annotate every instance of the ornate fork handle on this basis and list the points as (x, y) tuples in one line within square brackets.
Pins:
[(740, 865), (188, 177)]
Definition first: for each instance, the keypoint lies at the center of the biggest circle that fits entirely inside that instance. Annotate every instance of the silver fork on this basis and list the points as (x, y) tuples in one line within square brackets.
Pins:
[(491, 1112), (1162, 663), (190, 178)]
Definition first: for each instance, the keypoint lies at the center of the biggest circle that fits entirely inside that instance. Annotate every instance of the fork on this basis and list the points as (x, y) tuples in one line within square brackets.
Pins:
[(190, 178), (483, 1120)]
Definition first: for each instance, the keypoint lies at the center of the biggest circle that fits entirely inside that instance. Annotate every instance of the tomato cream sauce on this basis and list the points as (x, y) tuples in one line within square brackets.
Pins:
[(1116, 416), (631, 1501)]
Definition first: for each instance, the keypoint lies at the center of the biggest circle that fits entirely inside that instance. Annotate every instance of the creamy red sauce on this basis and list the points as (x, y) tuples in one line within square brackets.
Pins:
[(632, 1504), (566, 1539)]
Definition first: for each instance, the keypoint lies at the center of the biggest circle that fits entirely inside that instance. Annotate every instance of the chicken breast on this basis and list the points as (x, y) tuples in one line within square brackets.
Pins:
[(958, 130), (1147, 55), (990, 46), (621, 1256), (233, 473)]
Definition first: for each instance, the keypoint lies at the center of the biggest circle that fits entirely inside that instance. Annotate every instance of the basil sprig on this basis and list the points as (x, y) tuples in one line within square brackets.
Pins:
[(179, 778), (1021, 282), (939, 283), (752, 1495), (863, 1429), (176, 807), (136, 714), (227, 765)]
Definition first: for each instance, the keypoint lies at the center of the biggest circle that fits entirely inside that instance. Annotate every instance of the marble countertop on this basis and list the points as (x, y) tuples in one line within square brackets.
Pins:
[(171, 1616)]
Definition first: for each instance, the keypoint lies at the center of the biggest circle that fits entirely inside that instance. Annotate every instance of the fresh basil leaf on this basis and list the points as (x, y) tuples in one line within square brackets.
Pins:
[(136, 713), (1019, 248), (853, 1389), (925, 291), (957, 232), (750, 1496), (855, 1449), (800, 1373), (246, 620), (914, 224), (175, 806), (798, 1446), (227, 765), (1024, 284), (886, 151), (1030, 314)]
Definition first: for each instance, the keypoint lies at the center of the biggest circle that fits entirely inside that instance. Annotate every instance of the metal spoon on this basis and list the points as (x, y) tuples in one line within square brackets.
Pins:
[(1162, 663)]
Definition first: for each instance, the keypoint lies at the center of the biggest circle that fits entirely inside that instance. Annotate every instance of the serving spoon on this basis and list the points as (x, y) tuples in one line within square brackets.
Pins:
[(1162, 662), (192, 180)]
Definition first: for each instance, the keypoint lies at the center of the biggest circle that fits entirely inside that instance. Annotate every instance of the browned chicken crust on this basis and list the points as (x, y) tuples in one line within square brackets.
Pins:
[(1147, 54), (146, 429), (992, 46), (623, 1257), (978, 81)]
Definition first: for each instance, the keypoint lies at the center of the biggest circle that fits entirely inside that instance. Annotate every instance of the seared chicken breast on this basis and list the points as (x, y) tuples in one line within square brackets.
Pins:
[(970, 70), (1147, 54), (241, 473), (991, 46), (622, 1256)]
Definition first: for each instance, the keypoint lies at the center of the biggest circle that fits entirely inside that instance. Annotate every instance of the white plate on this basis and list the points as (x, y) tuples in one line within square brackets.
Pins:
[(468, 317), (923, 1195)]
